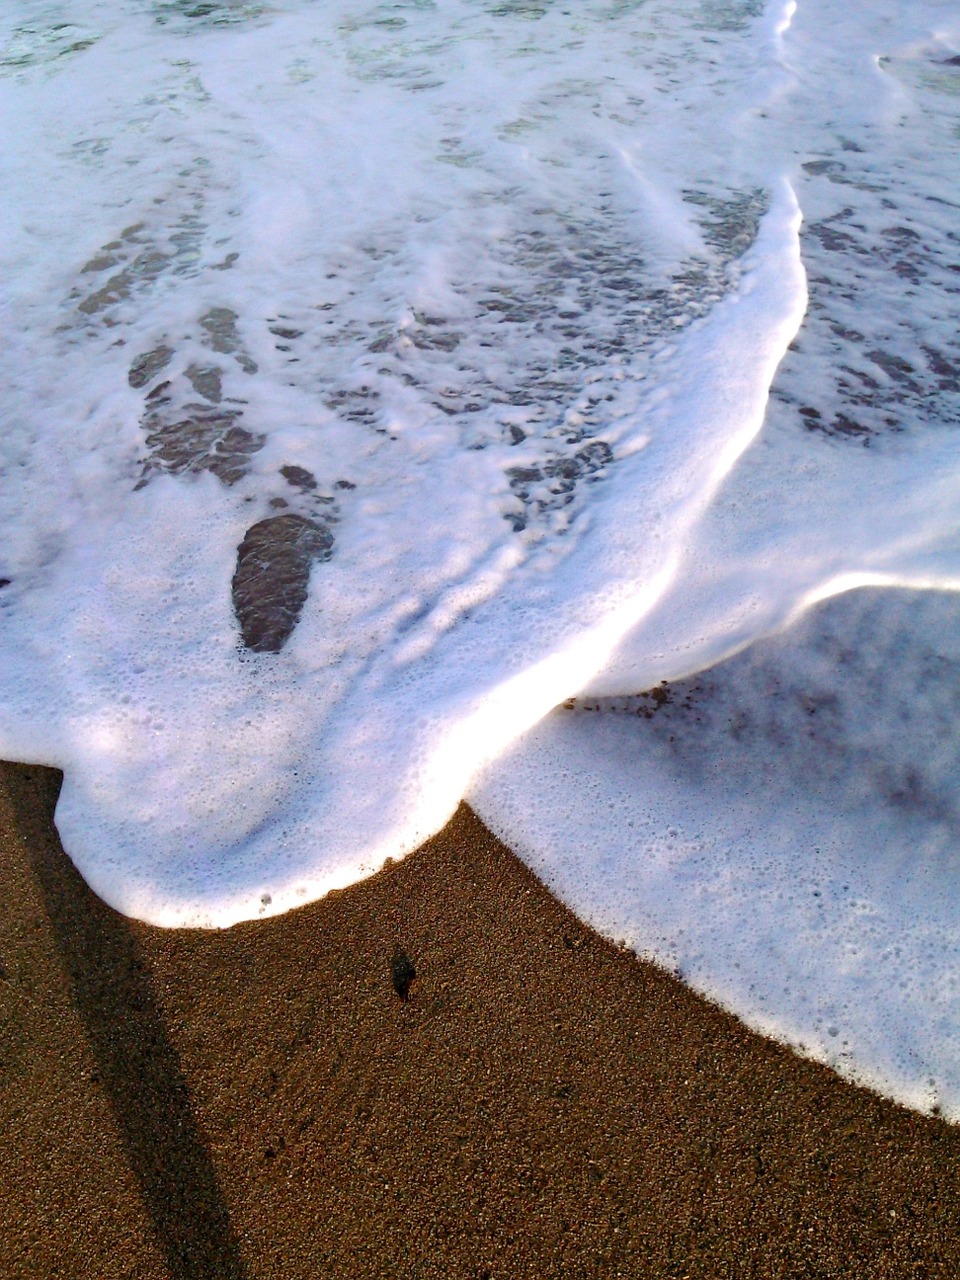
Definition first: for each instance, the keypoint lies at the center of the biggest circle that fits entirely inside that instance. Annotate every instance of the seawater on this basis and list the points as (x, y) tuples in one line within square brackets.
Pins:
[(555, 405)]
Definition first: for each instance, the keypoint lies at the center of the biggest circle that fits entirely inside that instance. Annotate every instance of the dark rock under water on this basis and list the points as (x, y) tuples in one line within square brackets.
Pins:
[(272, 577)]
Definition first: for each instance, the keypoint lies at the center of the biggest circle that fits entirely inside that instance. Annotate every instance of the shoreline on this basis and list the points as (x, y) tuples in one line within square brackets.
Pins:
[(261, 1102)]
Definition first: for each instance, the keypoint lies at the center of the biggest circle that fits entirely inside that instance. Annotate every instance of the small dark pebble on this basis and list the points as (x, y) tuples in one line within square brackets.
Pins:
[(402, 972)]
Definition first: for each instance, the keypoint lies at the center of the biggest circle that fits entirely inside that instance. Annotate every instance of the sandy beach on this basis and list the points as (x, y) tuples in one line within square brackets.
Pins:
[(263, 1102)]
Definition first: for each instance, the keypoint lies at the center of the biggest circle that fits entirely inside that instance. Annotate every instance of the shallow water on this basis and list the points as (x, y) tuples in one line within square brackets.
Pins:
[(378, 377)]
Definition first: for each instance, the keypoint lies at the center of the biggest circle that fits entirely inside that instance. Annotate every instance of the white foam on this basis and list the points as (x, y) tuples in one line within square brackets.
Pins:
[(782, 830), (490, 298), (432, 288), (704, 844)]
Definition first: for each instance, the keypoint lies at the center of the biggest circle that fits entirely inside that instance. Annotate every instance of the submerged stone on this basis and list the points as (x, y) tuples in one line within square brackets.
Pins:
[(299, 477), (203, 441), (273, 575), (145, 367)]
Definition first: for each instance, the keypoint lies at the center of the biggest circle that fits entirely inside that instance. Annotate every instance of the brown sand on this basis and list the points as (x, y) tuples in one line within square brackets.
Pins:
[(260, 1102)]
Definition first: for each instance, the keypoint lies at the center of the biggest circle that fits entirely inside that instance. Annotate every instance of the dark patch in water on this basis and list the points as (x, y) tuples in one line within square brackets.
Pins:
[(204, 441), (732, 221), (220, 325), (299, 477), (524, 353), (272, 577), (552, 485), (207, 13), (145, 367), (206, 381), (880, 354), (138, 258), (144, 269)]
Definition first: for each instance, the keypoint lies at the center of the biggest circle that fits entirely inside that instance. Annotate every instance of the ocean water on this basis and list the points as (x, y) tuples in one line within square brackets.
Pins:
[(556, 405)]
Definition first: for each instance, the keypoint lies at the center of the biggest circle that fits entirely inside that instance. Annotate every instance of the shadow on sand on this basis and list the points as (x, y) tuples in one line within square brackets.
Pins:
[(139, 1068)]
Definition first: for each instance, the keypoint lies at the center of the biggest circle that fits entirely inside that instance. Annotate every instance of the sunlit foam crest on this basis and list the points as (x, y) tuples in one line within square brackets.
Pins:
[(510, 710), (784, 19)]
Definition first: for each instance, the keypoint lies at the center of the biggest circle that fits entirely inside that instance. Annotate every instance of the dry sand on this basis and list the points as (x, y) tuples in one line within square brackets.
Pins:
[(261, 1102)]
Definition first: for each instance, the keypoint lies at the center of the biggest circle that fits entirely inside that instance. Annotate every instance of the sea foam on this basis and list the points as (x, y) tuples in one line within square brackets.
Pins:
[(377, 377)]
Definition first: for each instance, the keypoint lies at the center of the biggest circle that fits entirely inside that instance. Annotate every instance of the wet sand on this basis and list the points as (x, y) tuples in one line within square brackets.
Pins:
[(262, 1102)]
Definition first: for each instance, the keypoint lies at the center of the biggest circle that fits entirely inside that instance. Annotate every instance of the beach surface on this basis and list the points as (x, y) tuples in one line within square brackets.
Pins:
[(287, 1099)]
